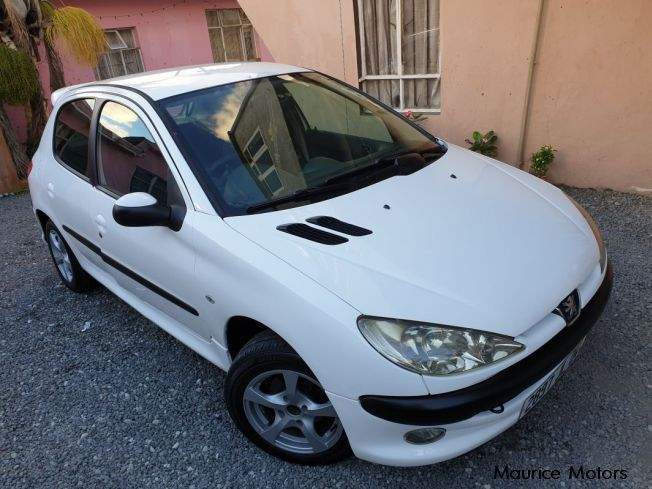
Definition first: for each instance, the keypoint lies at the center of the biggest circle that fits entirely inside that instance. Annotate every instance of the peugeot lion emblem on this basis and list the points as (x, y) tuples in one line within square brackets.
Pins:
[(569, 308)]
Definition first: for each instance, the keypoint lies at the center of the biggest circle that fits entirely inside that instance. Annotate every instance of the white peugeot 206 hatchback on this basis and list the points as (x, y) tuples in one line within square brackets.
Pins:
[(366, 285)]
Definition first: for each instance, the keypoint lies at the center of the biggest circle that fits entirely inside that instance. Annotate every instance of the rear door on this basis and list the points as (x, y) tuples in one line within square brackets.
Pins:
[(155, 264), (68, 179)]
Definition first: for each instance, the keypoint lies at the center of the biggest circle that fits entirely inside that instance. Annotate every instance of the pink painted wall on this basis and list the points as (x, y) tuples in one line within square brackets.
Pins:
[(169, 37)]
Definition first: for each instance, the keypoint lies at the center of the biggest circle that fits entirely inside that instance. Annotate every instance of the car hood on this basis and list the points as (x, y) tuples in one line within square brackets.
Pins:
[(466, 241)]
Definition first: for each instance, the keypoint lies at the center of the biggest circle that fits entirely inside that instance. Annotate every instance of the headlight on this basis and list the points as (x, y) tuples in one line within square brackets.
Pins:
[(433, 349), (596, 232)]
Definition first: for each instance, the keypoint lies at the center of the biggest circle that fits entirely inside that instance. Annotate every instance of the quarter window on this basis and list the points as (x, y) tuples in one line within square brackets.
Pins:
[(399, 53), (71, 130), (231, 35), (123, 55), (129, 160)]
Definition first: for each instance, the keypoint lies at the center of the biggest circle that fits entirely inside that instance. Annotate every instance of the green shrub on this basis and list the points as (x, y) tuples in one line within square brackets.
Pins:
[(484, 143), (541, 160)]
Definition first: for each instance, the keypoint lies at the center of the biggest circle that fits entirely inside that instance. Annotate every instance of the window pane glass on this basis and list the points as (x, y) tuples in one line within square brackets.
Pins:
[(230, 16), (133, 63), (264, 162), (129, 159), (212, 18), (273, 182), (114, 40), (128, 37), (313, 128), (233, 44), (243, 17), (217, 46), (255, 144), (379, 27), (71, 134), (250, 46), (420, 37), (103, 69), (387, 91), (116, 66)]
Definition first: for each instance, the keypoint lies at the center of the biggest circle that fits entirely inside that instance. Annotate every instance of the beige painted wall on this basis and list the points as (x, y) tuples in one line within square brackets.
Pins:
[(318, 34), (592, 92), (485, 55), (591, 95)]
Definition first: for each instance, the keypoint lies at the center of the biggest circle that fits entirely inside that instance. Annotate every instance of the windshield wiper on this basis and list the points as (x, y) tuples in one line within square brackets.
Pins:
[(403, 162), (298, 196)]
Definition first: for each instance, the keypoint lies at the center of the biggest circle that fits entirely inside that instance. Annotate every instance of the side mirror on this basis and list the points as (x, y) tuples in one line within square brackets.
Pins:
[(140, 209)]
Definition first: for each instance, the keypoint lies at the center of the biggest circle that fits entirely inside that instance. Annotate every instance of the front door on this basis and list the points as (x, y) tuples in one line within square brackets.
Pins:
[(155, 264)]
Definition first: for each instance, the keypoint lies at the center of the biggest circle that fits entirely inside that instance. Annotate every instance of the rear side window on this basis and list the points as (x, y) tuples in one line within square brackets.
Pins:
[(129, 160), (71, 130)]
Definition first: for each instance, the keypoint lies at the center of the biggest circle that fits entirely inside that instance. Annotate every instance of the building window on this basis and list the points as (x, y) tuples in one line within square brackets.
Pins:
[(231, 35), (123, 54), (256, 153), (401, 66)]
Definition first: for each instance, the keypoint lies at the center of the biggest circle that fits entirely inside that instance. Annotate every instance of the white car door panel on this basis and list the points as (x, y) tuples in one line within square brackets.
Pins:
[(67, 179), (154, 263)]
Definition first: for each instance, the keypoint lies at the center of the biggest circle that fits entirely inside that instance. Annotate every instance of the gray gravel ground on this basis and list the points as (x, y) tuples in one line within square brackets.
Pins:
[(93, 394)]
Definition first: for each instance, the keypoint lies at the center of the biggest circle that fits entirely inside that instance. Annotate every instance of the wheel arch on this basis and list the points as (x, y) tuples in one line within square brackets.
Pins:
[(42, 218), (239, 330)]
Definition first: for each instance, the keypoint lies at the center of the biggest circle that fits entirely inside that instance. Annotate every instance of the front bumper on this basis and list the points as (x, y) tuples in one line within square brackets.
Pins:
[(451, 407), (376, 425)]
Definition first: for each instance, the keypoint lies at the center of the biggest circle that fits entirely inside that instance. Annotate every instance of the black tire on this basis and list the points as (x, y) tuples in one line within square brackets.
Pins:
[(80, 280), (267, 352)]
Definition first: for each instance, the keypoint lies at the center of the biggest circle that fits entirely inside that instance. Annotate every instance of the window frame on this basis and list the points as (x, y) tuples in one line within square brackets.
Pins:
[(399, 76), (90, 162), (122, 56), (241, 32)]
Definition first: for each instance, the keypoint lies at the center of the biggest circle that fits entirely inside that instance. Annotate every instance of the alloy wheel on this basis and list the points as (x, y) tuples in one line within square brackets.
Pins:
[(60, 255), (291, 411)]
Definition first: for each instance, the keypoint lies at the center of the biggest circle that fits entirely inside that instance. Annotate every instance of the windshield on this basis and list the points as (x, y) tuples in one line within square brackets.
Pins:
[(269, 139)]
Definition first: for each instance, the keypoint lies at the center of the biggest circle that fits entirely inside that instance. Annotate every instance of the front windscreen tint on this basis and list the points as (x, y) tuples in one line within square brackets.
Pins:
[(262, 139)]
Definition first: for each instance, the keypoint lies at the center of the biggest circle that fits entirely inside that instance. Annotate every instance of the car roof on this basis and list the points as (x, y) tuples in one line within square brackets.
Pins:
[(168, 82)]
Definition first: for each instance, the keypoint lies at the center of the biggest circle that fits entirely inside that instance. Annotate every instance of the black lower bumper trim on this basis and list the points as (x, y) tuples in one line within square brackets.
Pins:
[(465, 403)]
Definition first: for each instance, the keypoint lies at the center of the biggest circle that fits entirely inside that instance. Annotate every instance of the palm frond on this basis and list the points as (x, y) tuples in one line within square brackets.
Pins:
[(18, 77), (80, 31)]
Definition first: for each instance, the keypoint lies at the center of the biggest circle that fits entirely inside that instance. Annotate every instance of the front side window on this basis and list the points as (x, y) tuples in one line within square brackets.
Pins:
[(231, 35), (122, 56), (399, 53), (71, 130), (258, 141), (128, 158)]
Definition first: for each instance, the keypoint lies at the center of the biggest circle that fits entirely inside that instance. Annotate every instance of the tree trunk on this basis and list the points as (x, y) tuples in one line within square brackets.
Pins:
[(21, 161), (36, 121), (57, 79)]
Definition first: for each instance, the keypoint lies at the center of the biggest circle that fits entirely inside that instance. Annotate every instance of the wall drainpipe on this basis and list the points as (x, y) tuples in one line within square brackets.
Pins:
[(525, 116)]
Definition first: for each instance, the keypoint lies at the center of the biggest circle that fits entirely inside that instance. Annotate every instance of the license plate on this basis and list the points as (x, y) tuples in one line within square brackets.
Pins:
[(543, 389)]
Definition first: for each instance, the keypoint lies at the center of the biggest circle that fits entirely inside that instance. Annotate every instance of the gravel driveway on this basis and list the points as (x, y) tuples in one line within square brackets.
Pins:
[(93, 394)]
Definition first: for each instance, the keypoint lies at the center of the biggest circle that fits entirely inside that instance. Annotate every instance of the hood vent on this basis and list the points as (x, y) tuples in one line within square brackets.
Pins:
[(339, 226), (312, 234)]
